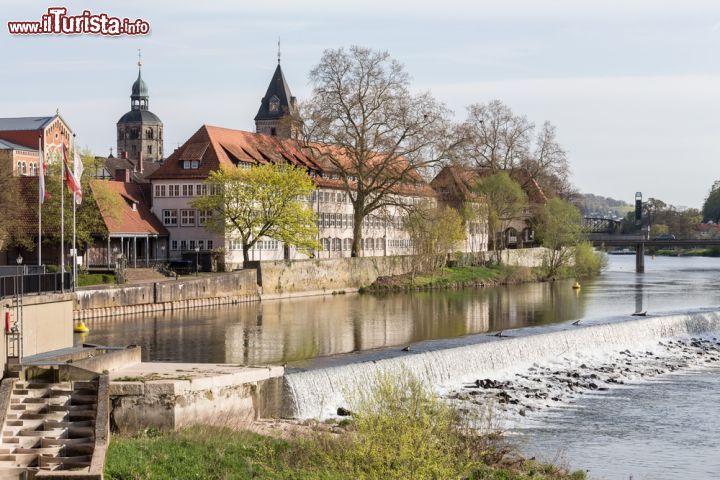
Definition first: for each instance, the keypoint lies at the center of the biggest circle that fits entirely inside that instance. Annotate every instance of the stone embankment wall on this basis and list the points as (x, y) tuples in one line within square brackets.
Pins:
[(327, 275), (524, 257), (236, 287), (47, 323)]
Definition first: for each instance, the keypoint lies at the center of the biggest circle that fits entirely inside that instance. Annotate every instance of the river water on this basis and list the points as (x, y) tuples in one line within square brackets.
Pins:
[(299, 330), (664, 428)]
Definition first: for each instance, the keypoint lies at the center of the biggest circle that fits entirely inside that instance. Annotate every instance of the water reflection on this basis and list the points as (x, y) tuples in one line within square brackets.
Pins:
[(299, 329)]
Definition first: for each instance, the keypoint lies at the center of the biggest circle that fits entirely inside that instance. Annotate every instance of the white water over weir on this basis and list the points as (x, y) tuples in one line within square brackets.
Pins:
[(318, 393)]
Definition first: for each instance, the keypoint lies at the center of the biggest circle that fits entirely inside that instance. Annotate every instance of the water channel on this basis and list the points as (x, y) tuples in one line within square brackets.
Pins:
[(662, 429)]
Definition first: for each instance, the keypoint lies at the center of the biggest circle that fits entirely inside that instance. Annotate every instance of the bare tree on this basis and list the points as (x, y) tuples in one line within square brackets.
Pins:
[(500, 140), (365, 127)]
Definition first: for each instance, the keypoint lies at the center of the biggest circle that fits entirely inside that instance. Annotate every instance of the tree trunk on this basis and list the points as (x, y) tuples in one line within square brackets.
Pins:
[(246, 255), (357, 232)]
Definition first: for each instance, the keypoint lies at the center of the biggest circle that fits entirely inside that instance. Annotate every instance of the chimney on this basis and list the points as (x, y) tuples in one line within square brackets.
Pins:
[(122, 175), (140, 163)]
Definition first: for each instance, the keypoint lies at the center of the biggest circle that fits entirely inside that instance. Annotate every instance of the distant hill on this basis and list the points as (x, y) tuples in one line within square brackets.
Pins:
[(592, 205)]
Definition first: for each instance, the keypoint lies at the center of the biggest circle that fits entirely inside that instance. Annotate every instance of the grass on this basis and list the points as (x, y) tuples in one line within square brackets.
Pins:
[(399, 430), (689, 252), (86, 279)]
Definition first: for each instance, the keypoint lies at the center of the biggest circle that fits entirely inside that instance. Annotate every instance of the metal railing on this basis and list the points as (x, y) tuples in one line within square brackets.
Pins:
[(11, 286)]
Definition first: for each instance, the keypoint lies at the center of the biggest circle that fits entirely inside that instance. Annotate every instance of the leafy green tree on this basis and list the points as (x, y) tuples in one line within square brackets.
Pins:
[(559, 230), (13, 231), (263, 201), (503, 200), (711, 206), (435, 232)]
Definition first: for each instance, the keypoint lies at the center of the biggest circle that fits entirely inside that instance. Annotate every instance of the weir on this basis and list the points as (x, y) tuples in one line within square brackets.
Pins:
[(318, 393)]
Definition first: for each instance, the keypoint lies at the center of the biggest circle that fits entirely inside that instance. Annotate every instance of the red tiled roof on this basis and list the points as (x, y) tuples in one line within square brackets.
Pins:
[(217, 147), (460, 181), (115, 201)]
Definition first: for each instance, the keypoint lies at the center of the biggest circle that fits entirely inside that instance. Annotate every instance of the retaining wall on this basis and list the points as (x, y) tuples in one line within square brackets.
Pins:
[(328, 274), (205, 291)]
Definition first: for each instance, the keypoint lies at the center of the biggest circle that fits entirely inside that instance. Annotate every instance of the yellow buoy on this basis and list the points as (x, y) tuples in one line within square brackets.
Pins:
[(576, 286), (80, 327)]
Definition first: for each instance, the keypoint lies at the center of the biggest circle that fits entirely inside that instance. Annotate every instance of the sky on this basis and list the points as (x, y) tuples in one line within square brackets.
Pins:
[(633, 87)]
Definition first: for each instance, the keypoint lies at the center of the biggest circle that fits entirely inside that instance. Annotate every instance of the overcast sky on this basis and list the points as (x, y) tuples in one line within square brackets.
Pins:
[(633, 87)]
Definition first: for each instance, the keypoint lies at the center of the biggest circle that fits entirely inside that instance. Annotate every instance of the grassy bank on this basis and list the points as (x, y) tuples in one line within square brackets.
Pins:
[(400, 429), (455, 277), (688, 252)]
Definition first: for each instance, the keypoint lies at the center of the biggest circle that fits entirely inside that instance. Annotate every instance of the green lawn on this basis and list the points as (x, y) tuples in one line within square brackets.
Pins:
[(86, 279), (219, 453)]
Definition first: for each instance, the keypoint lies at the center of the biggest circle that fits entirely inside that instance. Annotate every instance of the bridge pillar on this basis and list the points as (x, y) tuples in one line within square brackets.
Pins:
[(640, 258)]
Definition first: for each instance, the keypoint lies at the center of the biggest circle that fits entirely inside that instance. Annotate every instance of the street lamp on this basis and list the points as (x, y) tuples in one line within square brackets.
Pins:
[(197, 259)]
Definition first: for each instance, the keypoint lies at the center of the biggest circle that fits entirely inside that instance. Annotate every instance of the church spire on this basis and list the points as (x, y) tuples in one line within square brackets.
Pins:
[(139, 97)]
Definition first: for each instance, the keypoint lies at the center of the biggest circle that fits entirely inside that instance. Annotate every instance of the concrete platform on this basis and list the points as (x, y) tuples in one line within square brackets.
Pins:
[(175, 395)]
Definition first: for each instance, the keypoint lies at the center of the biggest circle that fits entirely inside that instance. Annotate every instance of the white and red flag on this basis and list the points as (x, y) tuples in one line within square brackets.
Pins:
[(42, 194), (78, 167), (73, 183)]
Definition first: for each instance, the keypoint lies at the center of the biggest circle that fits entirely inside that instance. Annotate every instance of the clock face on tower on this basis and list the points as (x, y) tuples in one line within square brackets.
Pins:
[(274, 105)]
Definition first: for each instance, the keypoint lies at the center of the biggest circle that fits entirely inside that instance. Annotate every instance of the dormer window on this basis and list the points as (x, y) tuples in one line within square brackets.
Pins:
[(274, 104), (191, 164)]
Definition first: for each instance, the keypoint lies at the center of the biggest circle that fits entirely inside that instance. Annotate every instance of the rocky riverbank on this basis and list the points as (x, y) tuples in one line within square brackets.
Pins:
[(554, 384)]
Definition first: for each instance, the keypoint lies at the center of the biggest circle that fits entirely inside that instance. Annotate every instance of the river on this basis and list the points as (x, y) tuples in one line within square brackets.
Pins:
[(298, 330), (661, 428)]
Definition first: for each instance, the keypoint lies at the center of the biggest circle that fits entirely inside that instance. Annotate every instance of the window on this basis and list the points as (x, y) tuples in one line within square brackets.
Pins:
[(183, 244), (159, 190), (149, 149), (379, 243), (201, 244), (369, 244), (173, 190), (325, 243), (200, 190), (190, 164), (187, 218), (203, 217), (170, 217), (187, 190), (210, 244), (173, 245), (347, 243), (337, 244), (19, 168), (149, 135), (273, 131), (192, 244)]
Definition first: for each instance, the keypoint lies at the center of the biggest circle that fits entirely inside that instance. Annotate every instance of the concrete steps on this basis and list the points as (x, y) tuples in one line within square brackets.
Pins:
[(143, 275), (48, 427)]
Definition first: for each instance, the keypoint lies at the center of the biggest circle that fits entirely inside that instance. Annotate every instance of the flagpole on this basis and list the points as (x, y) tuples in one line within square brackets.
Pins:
[(74, 256), (40, 199), (62, 222)]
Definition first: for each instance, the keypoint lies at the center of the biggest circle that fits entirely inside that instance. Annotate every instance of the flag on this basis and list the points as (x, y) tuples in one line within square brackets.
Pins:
[(78, 167), (72, 182), (43, 194)]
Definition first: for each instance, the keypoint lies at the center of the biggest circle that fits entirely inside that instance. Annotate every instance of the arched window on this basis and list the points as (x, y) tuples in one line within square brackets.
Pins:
[(347, 244), (19, 168), (337, 244), (379, 243), (369, 244), (325, 243), (24, 168), (149, 134)]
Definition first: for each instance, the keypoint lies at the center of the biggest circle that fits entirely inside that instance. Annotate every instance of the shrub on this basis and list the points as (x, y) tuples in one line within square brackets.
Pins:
[(588, 262)]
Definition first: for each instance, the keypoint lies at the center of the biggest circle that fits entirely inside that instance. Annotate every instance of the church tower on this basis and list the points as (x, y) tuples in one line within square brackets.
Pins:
[(276, 107), (139, 131)]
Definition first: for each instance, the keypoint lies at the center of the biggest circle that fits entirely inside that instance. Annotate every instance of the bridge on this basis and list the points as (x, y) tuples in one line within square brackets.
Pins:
[(604, 232)]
